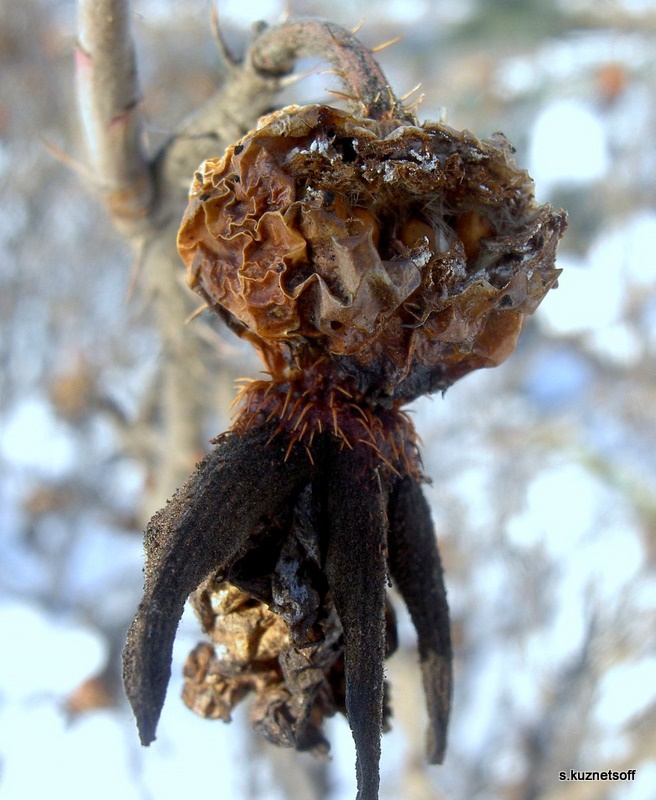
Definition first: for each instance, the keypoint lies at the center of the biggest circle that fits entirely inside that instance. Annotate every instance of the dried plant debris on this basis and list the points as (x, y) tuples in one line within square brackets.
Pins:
[(408, 255), (369, 260)]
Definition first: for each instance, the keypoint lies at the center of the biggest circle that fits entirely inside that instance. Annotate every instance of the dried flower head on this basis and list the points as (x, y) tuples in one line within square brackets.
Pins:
[(369, 260), (407, 256)]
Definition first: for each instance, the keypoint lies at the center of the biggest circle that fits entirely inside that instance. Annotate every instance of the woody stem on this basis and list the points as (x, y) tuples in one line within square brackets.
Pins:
[(277, 48)]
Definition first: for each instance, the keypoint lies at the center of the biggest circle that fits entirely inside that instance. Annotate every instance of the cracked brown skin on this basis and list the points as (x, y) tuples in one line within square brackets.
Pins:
[(406, 256), (369, 260)]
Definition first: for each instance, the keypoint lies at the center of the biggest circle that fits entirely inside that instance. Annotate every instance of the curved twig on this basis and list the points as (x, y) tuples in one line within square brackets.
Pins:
[(278, 48)]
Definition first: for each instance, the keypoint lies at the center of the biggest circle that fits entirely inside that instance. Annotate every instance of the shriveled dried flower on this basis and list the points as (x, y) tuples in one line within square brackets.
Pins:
[(370, 260), (408, 256)]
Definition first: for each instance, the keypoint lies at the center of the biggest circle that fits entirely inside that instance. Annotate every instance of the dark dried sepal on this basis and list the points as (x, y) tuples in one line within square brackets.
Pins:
[(416, 568), (356, 522), (235, 490)]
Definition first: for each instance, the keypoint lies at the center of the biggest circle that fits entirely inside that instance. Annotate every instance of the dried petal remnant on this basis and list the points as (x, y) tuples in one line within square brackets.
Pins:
[(407, 255), (295, 684)]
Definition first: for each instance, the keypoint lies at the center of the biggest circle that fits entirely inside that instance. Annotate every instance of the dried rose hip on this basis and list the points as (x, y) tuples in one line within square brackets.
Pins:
[(406, 256)]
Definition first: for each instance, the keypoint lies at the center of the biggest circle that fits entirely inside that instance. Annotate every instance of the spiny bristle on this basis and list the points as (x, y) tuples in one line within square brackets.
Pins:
[(388, 43), (373, 446), (376, 449), (246, 390), (410, 93), (274, 412), (82, 171), (286, 403), (339, 72), (292, 442), (414, 106), (277, 431), (296, 77), (230, 60), (345, 440), (292, 410), (302, 411), (237, 398), (359, 410), (367, 428), (334, 412), (343, 95), (301, 416)]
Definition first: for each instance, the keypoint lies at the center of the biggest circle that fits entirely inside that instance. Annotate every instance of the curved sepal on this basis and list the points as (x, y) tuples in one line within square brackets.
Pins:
[(356, 523), (416, 568), (203, 529)]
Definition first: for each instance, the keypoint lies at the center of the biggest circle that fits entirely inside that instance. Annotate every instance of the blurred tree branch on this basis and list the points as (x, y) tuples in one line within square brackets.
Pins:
[(145, 196)]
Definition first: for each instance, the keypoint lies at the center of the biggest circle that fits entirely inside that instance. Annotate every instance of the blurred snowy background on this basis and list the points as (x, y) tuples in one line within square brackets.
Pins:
[(544, 470)]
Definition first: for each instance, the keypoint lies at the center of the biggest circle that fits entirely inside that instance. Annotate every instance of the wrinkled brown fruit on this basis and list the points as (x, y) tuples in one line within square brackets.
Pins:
[(407, 255), (369, 261)]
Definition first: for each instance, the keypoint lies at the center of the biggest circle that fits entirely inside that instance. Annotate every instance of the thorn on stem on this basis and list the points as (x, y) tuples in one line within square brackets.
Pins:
[(388, 43), (410, 93), (196, 312), (225, 52)]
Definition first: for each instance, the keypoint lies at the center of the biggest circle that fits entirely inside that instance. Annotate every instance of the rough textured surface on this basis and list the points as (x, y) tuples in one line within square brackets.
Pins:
[(369, 260), (231, 498), (301, 619), (408, 254), (286, 552), (295, 685), (416, 569), (356, 570)]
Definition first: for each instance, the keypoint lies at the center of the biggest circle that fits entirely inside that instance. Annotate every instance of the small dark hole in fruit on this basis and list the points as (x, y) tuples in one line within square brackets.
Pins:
[(345, 148)]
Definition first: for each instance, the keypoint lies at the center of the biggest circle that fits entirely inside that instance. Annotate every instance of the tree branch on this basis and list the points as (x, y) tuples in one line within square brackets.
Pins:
[(108, 97), (277, 49)]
